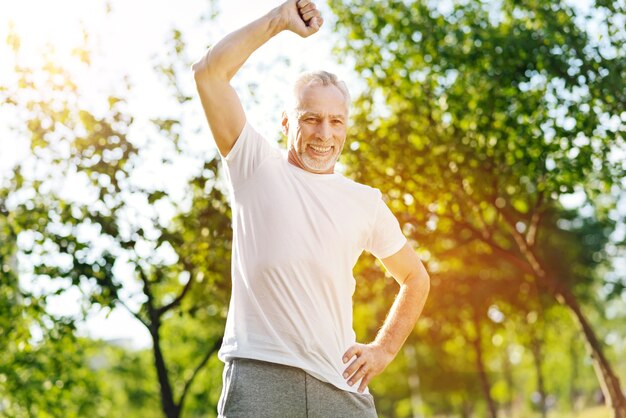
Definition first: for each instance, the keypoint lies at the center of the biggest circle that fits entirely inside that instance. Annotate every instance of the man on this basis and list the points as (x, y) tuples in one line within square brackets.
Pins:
[(289, 347)]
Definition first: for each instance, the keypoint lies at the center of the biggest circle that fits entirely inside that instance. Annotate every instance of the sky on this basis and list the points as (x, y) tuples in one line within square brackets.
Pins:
[(126, 36)]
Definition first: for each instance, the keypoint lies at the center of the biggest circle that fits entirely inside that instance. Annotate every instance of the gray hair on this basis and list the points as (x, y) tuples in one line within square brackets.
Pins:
[(319, 78)]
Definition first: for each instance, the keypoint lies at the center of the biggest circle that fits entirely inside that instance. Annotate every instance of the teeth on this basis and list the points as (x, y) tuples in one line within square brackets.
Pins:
[(320, 149)]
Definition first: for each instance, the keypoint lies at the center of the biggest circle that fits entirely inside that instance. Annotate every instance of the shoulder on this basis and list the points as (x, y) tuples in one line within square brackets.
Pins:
[(250, 141)]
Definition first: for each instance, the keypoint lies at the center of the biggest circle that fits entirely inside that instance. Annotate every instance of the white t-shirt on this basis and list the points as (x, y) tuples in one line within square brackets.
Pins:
[(296, 238)]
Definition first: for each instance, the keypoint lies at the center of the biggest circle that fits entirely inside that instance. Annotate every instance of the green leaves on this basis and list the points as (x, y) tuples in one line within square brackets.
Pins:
[(478, 117), (84, 219)]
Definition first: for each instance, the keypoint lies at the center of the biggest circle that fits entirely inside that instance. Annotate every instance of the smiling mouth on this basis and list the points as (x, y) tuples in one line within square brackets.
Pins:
[(317, 150)]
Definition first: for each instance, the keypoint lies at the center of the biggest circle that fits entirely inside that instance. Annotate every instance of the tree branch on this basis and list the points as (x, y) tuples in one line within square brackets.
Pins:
[(180, 296), (480, 235), (520, 240), (150, 302), (135, 314), (531, 235), (199, 367), (485, 231)]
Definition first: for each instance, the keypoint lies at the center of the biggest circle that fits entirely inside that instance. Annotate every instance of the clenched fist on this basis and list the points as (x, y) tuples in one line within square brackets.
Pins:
[(301, 17)]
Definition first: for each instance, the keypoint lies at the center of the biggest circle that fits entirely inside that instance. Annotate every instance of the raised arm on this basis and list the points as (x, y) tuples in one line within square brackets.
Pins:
[(217, 67)]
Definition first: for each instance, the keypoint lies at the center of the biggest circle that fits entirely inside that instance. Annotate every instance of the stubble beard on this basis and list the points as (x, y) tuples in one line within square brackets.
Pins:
[(316, 164)]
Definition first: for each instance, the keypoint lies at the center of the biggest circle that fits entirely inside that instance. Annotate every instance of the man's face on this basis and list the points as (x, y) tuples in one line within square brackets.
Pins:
[(316, 130)]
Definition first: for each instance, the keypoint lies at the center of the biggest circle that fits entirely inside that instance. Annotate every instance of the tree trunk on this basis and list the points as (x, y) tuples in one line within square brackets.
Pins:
[(508, 378), (170, 408), (467, 408), (480, 365), (609, 383), (573, 388), (535, 344)]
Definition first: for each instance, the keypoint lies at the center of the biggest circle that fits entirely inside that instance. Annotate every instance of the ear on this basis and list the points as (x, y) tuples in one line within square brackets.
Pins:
[(285, 124)]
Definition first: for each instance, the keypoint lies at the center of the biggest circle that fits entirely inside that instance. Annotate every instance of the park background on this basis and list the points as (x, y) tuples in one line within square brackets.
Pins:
[(494, 130)]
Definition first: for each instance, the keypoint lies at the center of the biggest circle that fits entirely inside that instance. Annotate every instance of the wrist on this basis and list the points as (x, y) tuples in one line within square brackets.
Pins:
[(385, 350), (277, 21)]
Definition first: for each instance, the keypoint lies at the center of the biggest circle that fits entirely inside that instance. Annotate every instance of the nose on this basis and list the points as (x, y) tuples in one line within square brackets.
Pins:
[(324, 131)]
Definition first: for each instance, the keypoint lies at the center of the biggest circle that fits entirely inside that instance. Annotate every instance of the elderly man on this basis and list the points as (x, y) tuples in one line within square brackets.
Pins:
[(289, 347)]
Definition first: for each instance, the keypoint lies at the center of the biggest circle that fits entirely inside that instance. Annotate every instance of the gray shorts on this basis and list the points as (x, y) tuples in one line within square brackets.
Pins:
[(258, 389)]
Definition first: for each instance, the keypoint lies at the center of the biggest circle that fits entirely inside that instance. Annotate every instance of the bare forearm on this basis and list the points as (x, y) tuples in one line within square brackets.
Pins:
[(228, 55), (371, 359), (403, 314)]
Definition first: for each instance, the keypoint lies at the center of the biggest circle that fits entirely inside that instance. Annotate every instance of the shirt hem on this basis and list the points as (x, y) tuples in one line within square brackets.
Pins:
[(281, 359)]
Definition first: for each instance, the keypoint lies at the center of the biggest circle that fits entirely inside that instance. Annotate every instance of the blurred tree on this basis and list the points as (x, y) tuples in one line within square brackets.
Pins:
[(34, 379), (479, 117), (110, 235)]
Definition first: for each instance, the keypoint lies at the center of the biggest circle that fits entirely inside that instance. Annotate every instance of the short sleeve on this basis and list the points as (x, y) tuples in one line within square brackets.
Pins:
[(386, 237), (246, 155)]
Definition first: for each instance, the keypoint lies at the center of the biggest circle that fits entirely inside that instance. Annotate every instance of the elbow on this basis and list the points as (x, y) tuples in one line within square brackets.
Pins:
[(204, 68), (200, 69), (208, 68), (418, 282), (424, 283)]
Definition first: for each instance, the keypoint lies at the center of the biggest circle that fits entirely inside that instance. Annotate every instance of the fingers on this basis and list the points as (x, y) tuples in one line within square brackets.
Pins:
[(308, 16), (357, 370), (365, 363), (309, 6), (355, 366), (316, 23), (309, 13), (364, 382), (303, 3), (362, 373), (358, 375), (351, 352)]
